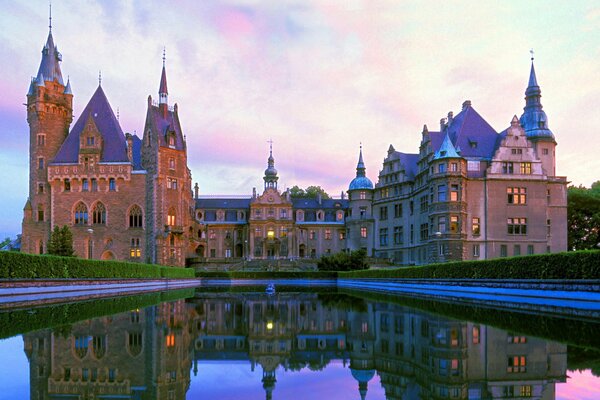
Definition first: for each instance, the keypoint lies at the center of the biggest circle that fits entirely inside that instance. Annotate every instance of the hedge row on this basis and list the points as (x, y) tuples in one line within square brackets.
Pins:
[(22, 321), (568, 265), (15, 265)]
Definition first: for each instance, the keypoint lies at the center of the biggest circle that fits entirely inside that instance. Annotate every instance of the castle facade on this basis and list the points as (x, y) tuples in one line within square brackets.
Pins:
[(469, 193)]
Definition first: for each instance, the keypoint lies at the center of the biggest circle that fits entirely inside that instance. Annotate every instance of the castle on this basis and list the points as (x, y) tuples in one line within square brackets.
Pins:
[(469, 193)]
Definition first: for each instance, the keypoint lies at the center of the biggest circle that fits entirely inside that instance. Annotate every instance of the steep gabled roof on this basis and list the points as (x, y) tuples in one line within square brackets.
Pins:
[(114, 146), (470, 133), (49, 67), (161, 125)]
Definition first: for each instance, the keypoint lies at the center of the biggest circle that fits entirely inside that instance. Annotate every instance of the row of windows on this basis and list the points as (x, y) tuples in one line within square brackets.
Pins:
[(99, 215), (509, 168)]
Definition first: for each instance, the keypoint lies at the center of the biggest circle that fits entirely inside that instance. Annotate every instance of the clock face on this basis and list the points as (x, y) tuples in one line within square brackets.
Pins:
[(271, 199)]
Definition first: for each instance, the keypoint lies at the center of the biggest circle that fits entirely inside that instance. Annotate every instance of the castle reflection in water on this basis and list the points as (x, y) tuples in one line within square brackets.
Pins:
[(151, 353)]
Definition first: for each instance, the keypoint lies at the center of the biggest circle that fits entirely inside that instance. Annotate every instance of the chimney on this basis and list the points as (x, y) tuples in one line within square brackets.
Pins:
[(253, 192), (319, 198), (450, 117), (442, 124), (467, 103), (343, 196), (196, 188)]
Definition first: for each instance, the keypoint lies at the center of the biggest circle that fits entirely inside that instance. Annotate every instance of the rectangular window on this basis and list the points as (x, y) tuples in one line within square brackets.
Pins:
[(135, 251), (258, 232), (424, 204), (517, 226), (363, 232), (213, 235), (41, 139), (362, 195), (40, 214), (112, 184), (363, 212), (476, 333), (442, 168), (67, 185), (342, 234), (40, 188), (453, 167), (398, 210), (475, 227), (525, 391), (213, 253), (312, 234), (412, 207), (530, 249), (472, 165), (441, 192), (171, 163), (517, 151), (327, 234), (517, 250), (383, 237), (507, 168), (94, 185), (517, 364), (412, 233), (41, 163), (475, 250), (516, 195), (454, 191), (424, 232), (545, 152), (84, 185), (454, 224), (442, 224), (525, 168), (172, 183), (283, 213), (503, 250), (90, 141), (383, 213), (398, 235)]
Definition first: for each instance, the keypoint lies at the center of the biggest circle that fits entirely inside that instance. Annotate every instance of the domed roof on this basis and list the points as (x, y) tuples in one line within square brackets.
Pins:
[(361, 182), (271, 171), (362, 375)]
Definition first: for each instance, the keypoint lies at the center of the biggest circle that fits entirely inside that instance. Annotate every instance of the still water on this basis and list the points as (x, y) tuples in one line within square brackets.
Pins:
[(292, 345)]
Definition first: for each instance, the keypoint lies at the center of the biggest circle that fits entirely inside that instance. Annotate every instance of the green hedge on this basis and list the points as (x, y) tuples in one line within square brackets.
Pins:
[(29, 266), (568, 265), (22, 321)]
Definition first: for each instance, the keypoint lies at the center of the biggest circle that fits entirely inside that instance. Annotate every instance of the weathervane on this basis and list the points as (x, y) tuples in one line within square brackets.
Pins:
[(50, 19), (270, 141), (531, 52), (99, 77)]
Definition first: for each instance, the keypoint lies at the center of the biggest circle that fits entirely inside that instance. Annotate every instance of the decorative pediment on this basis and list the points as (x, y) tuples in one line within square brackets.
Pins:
[(90, 138)]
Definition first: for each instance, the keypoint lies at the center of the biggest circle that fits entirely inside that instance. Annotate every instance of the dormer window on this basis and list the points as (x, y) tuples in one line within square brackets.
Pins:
[(172, 140), (90, 141)]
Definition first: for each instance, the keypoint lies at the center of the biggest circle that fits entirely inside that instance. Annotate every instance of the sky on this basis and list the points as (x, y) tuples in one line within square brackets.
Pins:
[(318, 77)]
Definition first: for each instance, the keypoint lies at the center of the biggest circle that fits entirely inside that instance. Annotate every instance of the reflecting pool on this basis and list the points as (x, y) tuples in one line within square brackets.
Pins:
[(300, 343)]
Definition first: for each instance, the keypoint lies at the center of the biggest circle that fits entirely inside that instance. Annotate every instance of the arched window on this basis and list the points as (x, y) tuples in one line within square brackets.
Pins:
[(99, 214), (171, 217), (81, 346), (135, 217), (99, 346), (134, 343), (81, 214)]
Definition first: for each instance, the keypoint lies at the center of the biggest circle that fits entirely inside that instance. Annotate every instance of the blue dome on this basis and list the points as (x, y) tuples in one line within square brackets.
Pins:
[(361, 182), (362, 375)]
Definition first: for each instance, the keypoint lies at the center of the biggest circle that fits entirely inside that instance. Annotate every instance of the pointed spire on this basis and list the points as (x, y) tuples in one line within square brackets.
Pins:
[(361, 181), (534, 120), (50, 16), (271, 177), (360, 167), (68, 87), (446, 150), (163, 92), (99, 77), (39, 81)]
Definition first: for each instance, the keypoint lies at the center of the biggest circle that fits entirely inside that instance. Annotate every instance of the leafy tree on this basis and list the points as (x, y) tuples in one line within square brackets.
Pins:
[(311, 192), (583, 217), (344, 262), (61, 242), (5, 242)]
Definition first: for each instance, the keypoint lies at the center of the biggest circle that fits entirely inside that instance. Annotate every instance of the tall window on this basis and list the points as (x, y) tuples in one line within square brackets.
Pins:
[(135, 251), (454, 224), (516, 195), (442, 224), (383, 237), (424, 232), (67, 185), (441, 192), (476, 250), (507, 168), (40, 162), (40, 213), (41, 139), (311, 235), (81, 214), (171, 163), (171, 217), (94, 185), (398, 210), (398, 235), (517, 226), (525, 168), (454, 192), (327, 234), (84, 185), (99, 214), (112, 184), (503, 250), (517, 364), (362, 195), (383, 212), (135, 217), (424, 204), (475, 227), (363, 232)]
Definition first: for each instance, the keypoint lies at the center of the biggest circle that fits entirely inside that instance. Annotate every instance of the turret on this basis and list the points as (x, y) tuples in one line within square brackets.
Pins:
[(163, 92), (271, 177)]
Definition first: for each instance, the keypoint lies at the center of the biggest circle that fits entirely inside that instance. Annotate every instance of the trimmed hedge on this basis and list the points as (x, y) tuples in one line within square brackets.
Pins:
[(22, 321), (15, 265), (568, 265)]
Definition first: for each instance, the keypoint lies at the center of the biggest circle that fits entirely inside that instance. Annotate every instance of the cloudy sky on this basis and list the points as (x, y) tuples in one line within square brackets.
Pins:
[(318, 77)]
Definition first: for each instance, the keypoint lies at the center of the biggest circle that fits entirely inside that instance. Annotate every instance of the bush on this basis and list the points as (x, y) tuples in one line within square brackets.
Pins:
[(568, 265), (29, 266), (356, 260), (61, 242)]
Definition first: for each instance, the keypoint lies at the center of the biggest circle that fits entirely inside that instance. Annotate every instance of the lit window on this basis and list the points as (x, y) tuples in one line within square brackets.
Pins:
[(453, 224), (135, 251), (362, 195), (525, 168), (475, 227), (517, 226), (516, 195), (454, 191), (525, 391), (453, 167), (270, 233), (170, 339), (363, 232), (476, 333), (171, 217), (327, 234), (517, 364)]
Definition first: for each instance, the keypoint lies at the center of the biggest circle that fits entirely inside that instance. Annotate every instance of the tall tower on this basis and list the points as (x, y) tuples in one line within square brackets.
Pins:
[(271, 177), (535, 123), (360, 221), (169, 203), (49, 114)]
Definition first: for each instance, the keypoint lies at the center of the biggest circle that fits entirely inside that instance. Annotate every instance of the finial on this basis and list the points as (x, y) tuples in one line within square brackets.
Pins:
[(99, 77), (117, 113), (50, 18), (164, 55), (270, 141), (360, 146), (531, 52)]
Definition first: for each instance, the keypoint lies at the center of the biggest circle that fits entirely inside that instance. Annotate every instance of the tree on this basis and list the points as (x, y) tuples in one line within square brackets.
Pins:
[(583, 217), (5, 242), (311, 192), (343, 261), (61, 242)]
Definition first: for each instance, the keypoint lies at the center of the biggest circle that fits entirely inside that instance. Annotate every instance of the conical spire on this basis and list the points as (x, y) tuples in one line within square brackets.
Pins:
[(360, 167), (534, 120), (68, 87), (163, 92), (361, 181), (446, 150), (49, 67)]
